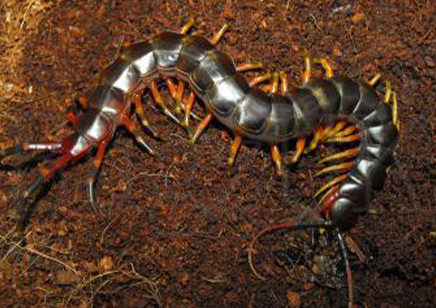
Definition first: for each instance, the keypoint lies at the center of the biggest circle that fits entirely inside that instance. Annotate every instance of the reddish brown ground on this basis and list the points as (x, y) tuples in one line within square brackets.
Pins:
[(174, 233)]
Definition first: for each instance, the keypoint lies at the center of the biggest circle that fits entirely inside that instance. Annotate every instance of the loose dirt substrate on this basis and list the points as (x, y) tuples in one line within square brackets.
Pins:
[(173, 233)]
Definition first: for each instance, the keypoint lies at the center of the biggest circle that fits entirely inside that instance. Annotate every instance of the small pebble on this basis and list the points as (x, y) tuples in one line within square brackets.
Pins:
[(429, 61), (294, 299), (357, 18), (106, 264)]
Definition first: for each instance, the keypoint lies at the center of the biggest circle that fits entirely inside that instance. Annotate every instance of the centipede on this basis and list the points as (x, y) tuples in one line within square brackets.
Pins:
[(332, 108)]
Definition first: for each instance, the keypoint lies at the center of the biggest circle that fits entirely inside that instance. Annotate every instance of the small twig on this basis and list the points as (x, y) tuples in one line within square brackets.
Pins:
[(110, 224), (82, 285), (38, 253)]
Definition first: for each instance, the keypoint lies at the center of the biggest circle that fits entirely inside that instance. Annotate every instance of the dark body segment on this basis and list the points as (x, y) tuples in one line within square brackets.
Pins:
[(327, 96), (95, 125), (307, 111), (252, 112), (194, 50), (166, 48), (349, 94), (107, 99), (223, 96), (280, 125), (121, 74), (368, 102), (215, 67), (142, 57)]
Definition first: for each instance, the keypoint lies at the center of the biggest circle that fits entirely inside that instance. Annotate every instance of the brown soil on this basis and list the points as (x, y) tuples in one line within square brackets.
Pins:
[(174, 232)]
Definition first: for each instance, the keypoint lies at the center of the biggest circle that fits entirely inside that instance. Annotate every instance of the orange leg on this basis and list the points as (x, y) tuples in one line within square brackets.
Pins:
[(179, 96), (188, 108), (301, 143), (346, 154), (83, 102), (350, 138), (72, 118), (171, 87), (141, 114), (160, 102), (201, 127), (277, 158), (233, 151), (134, 130)]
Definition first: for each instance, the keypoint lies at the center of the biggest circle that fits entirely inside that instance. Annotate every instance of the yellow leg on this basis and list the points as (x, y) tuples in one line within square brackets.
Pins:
[(187, 26), (343, 133), (333, 130), (346, 154), (307, 70), (316, 138), (374, 80), (275, 83), (220, 33), (330, 184), (340, 167), (284, 84), (388, 92), (350, 138), (326, 66), (260, 79), (395, 119), (249, 66)]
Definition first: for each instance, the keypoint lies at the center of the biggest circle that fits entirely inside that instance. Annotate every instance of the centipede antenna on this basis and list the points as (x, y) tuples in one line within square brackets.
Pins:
[(347, 269), (10, 151), (54, 147)]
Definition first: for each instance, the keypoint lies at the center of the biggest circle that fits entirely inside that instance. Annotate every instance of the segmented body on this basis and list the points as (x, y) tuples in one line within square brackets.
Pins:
[(254, 114)]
